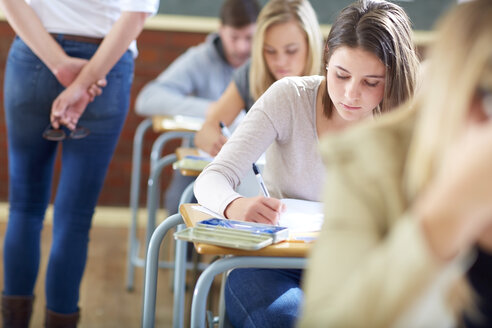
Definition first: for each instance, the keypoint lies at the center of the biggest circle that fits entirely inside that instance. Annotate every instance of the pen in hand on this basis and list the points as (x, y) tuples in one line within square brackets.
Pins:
[(225, 130), (260, 181)]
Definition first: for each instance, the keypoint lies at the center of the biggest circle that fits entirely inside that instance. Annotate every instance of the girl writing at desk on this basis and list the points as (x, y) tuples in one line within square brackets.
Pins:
[(370, 67), (287, 42)]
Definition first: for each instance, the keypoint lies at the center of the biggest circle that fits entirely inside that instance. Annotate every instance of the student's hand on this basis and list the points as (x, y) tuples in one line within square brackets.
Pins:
[(456, 209), (210, 139), (67, 70), (69, 106), (255, 209)]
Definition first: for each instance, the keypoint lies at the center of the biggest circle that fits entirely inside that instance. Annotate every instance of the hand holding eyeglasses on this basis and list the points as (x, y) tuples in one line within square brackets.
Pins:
[(67, 109), (69, 106)]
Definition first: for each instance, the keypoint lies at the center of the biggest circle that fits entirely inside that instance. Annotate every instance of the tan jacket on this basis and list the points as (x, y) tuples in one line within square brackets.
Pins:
[(371, 264)]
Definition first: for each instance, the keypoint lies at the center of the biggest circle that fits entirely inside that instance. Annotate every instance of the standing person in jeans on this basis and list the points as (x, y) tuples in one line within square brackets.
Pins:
[(196, 79), (64, 52)]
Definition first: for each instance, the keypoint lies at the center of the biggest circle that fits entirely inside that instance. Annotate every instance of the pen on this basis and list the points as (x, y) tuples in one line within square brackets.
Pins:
[(260, 181), (225, 130)]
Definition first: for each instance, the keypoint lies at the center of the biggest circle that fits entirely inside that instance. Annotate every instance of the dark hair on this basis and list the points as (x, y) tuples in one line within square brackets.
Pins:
[(384, 29), (239, 13)]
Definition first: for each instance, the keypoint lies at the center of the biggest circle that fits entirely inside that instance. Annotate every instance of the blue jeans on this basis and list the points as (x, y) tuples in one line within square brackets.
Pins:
[(29, 91), (263, 297)]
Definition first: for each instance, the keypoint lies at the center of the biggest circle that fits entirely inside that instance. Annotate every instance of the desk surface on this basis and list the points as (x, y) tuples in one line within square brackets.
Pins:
[(181, 152), (176, 123), (283, 249)]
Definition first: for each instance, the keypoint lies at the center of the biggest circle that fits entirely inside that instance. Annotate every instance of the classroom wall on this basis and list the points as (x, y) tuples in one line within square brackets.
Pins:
[(422, 13), (158, 48), (163, 39)]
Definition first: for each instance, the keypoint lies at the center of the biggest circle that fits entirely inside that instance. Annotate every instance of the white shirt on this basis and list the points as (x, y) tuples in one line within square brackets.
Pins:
[(92, 18)]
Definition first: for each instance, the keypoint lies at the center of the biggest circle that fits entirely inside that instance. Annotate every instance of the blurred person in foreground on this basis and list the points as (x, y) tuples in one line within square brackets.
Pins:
[(407, 236)]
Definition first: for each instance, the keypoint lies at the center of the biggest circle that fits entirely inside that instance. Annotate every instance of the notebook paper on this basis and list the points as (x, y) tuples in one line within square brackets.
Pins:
[(300, 215)]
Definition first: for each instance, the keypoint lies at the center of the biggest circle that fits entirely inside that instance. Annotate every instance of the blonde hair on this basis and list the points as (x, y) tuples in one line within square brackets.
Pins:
[(460, 64), (383, 29), (282, 11)]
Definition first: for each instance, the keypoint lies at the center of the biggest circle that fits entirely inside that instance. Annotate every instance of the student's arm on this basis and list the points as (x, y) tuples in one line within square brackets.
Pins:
[(28, 26), (176, 91), (71, 103), (226, 109), (215, 186)]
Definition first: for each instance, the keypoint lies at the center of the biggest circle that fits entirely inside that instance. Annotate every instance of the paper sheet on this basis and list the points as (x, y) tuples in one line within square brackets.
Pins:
[(300, 215), (207, 211)]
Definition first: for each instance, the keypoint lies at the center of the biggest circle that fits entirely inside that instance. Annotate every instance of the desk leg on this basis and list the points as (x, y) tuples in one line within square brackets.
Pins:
[(180, 268), (159, 143), (202, 287), (179, 281), (151, 268), (134, 198), (153, 187), (187, 194)]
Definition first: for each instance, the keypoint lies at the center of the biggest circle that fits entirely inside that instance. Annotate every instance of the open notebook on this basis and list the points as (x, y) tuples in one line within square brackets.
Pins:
[(301, 216)]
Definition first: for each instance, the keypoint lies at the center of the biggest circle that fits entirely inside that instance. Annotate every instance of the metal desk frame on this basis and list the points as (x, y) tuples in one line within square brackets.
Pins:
[(198, 308), (153, 192)]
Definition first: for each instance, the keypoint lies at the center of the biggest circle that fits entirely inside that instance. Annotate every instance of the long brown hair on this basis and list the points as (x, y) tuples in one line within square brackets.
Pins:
[(384, 29)]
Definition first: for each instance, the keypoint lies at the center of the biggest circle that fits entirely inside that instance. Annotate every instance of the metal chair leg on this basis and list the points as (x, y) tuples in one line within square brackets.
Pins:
[(134, 198), (151, 268)]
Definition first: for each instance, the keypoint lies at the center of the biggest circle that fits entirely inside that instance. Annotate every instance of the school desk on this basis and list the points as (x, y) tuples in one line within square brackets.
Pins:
[(169, 128), (282, 255)]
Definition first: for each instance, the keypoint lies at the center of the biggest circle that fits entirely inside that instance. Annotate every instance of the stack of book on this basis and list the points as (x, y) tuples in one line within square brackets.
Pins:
[(194, 163)]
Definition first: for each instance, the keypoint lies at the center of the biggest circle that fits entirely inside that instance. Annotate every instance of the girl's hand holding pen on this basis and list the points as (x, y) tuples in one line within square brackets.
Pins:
[(210, 139), (258, 209)]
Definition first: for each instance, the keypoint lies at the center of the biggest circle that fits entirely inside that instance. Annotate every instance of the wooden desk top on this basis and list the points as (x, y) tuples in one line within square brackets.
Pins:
[(283, 249), (176, 123), (181, 152)]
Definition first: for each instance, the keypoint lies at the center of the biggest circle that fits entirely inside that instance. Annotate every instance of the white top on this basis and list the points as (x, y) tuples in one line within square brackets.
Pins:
[(92, 18), (282, 123)]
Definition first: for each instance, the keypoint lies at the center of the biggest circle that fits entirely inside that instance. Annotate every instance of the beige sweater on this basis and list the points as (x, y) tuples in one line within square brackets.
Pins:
[(284, 121), (371, 266)]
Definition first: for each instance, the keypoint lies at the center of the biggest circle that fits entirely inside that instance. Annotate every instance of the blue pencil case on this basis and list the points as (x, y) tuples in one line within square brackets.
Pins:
[(277, 233)]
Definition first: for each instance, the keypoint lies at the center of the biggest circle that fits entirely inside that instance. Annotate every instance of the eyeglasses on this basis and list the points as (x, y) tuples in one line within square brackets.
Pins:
[(53, 134)]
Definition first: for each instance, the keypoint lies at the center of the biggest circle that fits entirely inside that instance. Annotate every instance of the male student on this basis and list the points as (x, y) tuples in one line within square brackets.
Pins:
[(199, 76)]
